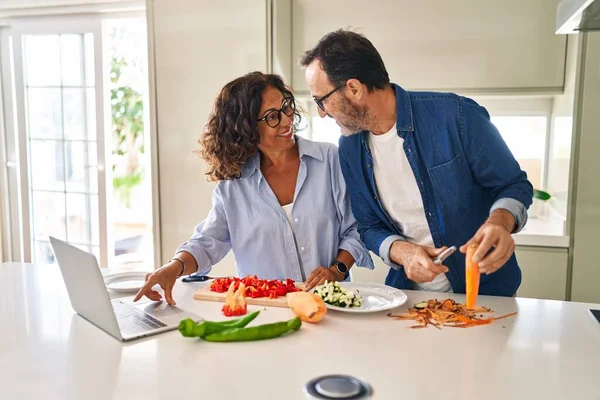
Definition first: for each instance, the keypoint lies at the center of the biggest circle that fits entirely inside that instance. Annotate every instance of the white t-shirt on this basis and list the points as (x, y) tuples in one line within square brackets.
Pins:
[(288, 213), (401, 198)]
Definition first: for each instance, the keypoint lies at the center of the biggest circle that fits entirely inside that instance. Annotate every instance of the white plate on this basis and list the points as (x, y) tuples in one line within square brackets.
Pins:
[(125, 282), (375, 297)]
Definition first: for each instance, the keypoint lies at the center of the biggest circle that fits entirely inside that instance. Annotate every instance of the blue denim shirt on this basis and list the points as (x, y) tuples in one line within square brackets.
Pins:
[(464, 170), (247, 218)]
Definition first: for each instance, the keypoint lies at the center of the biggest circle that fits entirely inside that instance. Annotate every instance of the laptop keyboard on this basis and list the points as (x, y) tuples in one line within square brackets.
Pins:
[(133, 320)]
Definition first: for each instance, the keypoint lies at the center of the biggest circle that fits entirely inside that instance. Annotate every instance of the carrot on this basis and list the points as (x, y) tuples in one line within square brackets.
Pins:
[(472, 275)]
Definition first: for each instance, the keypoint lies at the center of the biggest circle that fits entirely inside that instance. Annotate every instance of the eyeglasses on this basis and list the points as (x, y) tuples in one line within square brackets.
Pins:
[(320, 100), (273, 117)]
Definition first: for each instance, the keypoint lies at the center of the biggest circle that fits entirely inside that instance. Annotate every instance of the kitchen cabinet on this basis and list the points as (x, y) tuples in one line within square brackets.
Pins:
[(544, 272), (461, 45)]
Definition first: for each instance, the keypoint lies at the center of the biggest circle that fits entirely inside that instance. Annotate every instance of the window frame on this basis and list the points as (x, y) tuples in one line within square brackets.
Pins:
[(15, 204)]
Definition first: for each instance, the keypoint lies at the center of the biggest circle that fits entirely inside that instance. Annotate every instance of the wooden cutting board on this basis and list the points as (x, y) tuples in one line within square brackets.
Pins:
[(204, 293)]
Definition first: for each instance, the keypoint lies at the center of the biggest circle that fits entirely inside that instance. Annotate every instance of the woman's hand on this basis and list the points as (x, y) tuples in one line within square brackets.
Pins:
[(320, 275), (165, 277)]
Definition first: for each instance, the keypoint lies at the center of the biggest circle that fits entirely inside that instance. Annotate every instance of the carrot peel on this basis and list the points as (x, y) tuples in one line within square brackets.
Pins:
[(446, 313)]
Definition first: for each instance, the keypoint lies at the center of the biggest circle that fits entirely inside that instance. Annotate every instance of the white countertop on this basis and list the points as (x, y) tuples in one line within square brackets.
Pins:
[(543, 232), (550, 350)]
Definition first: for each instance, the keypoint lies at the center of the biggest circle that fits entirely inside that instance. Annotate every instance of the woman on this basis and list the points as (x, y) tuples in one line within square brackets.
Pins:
[(280, 203)]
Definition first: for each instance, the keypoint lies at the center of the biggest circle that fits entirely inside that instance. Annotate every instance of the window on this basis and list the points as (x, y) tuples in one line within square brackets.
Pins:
[(130, 222), (526, 138), (314, 127), (541, 144), (524, 131), (325, 129)]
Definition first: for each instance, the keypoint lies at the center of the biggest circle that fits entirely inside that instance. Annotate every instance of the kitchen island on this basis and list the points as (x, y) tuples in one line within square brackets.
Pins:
[(549, 350)]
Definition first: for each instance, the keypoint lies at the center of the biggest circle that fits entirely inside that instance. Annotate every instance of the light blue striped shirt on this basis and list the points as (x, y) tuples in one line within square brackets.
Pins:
[(247, 218)]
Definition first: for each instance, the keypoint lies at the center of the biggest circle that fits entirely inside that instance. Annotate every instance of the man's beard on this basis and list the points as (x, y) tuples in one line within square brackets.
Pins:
[(355, 118)]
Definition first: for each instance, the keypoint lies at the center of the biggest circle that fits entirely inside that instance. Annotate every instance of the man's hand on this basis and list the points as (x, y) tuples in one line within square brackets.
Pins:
[(417, 260), (322, 274), (495, 232)]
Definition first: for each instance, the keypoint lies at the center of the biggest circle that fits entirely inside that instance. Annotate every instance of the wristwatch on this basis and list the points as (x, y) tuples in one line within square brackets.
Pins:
[(342, 268)]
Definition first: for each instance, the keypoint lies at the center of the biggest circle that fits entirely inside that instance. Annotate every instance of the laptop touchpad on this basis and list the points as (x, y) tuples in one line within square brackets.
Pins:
[(162, 310)]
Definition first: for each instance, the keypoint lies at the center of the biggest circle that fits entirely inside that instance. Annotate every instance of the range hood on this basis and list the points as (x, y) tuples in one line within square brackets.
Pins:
[(574, 16)]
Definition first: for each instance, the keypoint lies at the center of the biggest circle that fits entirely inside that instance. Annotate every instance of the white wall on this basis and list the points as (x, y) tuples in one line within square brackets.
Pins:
[(199, 47), (440, 45), (376, 275)]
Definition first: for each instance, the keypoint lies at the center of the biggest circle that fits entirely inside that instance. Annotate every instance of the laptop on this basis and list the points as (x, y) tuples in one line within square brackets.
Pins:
[(89, 297)]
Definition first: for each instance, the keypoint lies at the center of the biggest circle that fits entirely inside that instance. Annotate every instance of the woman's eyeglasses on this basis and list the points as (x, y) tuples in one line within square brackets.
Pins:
[(320, 100), (273, 117)]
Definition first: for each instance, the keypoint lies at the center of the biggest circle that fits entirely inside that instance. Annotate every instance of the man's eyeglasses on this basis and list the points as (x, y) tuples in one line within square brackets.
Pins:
[(321, 100), (273, 117)]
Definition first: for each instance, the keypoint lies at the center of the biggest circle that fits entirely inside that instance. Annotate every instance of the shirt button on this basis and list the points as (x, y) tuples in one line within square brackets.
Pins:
[(375, 197), (295, 219), (368, 165), (302, 248), (429, 213)]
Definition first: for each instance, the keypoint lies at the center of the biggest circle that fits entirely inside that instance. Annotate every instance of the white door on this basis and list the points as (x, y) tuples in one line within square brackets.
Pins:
[(57, 165)]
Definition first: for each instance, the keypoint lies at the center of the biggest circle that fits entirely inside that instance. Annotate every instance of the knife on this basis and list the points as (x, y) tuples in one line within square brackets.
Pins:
[(195, 277)]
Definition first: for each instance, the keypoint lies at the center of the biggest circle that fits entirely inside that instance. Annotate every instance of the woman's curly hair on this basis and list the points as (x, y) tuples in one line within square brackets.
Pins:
[(230, 138)]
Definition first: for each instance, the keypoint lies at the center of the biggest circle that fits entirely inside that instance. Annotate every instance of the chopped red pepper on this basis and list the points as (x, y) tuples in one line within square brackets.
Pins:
[(255, 287)]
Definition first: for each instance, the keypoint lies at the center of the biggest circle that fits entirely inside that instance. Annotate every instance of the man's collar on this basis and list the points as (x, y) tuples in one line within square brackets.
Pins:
[(404, 115)]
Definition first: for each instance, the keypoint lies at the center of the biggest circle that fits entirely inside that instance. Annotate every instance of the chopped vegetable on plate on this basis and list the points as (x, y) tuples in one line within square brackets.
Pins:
[(335, 294)]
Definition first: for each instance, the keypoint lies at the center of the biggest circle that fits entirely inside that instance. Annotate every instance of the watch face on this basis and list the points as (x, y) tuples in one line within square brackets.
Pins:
[(343, 268)]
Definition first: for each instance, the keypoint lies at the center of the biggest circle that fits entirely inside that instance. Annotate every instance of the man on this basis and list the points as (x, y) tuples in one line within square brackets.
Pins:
[(424, 171)]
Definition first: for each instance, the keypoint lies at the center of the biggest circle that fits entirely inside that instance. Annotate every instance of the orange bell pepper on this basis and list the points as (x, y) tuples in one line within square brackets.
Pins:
[(235, 304)]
